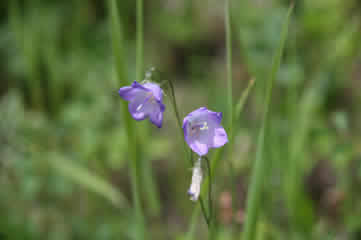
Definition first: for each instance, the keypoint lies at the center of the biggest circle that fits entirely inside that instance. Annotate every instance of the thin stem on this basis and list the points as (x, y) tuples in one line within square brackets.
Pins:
[(231, 117), (210, 202), (175, 108), (204, 211), (140, 41), (229, 64)]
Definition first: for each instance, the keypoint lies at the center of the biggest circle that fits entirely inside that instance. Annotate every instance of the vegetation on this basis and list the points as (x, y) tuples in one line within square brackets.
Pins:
[(285, 74)]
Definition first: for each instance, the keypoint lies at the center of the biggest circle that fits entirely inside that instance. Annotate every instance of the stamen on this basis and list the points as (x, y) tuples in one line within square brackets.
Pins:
[(149, 98), (204, 126), (196, 128), (139, 107)]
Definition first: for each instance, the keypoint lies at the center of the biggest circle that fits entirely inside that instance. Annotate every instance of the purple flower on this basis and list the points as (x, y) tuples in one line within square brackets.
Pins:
[(145, 100), (202, 130)]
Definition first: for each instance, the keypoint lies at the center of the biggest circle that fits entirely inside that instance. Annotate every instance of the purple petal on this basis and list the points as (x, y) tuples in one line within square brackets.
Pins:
[(156, 90), (137, 85), (216, 117), (198, 112), (198, 147), (127, 93), (210, 133), (192, 115), (156, 117), (220, 138), (144, 101), (137, 108)]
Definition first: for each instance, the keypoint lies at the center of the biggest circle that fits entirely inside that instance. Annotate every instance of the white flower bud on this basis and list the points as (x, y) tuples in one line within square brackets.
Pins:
[(195, 188)]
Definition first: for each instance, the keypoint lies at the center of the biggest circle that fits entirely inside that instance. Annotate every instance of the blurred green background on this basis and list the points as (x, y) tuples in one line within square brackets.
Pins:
[(64, 171)]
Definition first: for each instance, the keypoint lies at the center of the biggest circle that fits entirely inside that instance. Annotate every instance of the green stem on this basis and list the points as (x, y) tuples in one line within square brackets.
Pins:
[(210, 202), (150, 187), (206, 218), (229, 65), (231, 116), (118, 50), (140, 41)]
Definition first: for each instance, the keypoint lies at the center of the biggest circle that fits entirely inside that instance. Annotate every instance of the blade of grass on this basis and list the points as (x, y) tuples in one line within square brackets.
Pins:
[(150, 190), (301, 213), (140, 41), (119, 54), (227, 22), (28, 46), (242, 100), (229, 65), (150, 186), (260, 167), (51, 57), (88, 180)]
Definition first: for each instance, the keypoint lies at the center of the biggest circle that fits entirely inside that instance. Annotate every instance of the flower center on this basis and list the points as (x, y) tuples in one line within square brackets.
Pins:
[(149, 97), (198, 127)]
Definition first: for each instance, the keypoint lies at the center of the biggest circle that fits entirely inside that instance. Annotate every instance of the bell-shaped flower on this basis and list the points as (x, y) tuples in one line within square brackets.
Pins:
[(145, 101), (202, 130)]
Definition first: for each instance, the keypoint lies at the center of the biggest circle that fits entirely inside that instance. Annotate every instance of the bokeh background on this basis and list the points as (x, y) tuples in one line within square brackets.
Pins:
[(64, 163)]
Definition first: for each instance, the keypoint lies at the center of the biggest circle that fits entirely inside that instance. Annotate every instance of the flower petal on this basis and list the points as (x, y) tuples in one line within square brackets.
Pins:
[(220, 137), (198, 147), (215, 117), (202, 130), (145, 100), (127, 93), (138, 106), (156, 117), (137, 85), (156, 90)]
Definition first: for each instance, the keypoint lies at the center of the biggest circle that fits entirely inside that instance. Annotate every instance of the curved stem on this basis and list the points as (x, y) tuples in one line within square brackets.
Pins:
[(207, 219)]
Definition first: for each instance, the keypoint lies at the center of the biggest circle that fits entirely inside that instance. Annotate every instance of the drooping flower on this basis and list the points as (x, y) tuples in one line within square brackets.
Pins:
[(145, 100), (202, 130), (195, 188)]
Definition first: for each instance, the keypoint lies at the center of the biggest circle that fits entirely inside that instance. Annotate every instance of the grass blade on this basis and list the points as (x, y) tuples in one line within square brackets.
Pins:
[(134, 159), (260, 167), (242, 100), (140, 41), (86, 179)]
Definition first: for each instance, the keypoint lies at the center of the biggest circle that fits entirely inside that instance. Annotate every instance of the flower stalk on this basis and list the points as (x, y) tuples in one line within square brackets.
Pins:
[(179, 122)]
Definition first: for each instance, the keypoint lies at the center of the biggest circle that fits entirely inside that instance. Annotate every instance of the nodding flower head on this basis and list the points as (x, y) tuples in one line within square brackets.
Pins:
[(202, 130), (145, 100)]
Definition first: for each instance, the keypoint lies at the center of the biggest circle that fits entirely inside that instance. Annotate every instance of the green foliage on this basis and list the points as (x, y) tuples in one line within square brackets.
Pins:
[(74, 164)]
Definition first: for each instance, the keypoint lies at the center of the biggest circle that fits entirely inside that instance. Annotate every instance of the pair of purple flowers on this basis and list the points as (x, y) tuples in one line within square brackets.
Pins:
[(202, 127)]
